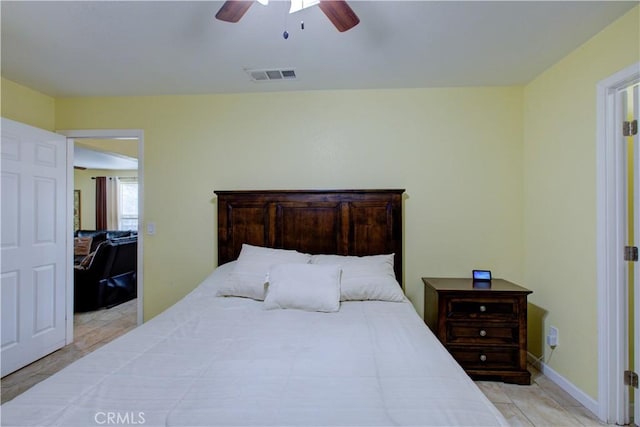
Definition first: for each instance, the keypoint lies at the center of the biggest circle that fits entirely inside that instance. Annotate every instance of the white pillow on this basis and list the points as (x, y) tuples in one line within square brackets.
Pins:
[(304, 287), (248, 277), (218, 277), (365, 278)]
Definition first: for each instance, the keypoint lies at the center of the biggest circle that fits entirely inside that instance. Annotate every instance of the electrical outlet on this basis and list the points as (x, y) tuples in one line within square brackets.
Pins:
[(552, 337)]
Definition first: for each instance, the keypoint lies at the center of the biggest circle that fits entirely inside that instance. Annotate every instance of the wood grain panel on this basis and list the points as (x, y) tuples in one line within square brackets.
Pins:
[(343, 222), (245, 223), (312, 228)]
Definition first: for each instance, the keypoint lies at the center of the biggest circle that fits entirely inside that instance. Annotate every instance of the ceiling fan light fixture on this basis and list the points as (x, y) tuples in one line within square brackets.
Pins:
[(338, 11), (298, 5), (264, 2)]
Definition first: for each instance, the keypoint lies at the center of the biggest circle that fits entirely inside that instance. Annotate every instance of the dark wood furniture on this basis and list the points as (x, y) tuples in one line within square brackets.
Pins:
[(342, 222), (109, 278), (484, 329)]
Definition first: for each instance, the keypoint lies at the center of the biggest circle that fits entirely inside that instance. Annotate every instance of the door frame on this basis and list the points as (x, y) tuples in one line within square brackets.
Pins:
[(108, 134), (611, 237), (636, 241)]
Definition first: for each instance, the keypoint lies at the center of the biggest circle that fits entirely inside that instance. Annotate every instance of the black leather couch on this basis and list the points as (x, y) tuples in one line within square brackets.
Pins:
[(109, 278), (99, 236)]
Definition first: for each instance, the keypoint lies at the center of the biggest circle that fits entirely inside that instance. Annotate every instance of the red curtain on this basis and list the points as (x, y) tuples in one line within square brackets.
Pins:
[(101, 203)]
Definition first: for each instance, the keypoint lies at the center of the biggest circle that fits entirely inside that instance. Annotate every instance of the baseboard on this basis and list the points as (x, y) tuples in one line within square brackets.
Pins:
[(585, 400)]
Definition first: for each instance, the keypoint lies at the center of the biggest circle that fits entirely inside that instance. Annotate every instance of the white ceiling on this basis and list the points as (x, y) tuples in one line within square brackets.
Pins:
[(95, 48), (94, 159)]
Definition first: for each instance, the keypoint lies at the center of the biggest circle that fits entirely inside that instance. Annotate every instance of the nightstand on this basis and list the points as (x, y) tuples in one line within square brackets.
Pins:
[(484, 329)]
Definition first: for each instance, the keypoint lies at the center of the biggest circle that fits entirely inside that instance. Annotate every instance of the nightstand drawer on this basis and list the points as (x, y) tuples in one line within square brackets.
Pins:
[(486, 358), (479, 333), (474, 308), (484, 329)]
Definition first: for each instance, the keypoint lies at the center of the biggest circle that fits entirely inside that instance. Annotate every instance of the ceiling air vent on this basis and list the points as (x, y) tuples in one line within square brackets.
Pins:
[(271, 75)]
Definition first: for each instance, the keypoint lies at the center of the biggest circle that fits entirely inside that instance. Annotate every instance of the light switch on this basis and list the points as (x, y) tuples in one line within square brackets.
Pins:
[(151, 228)]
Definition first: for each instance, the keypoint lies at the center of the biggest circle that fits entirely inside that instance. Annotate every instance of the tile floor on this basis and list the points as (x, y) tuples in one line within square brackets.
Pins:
[(541, 404)]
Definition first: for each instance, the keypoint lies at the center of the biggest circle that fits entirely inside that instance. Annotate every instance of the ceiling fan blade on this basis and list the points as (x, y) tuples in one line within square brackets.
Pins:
[(233, 10), (340, 14)]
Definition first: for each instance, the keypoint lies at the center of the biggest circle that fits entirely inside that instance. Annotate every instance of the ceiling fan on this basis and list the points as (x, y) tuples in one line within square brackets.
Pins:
[(338, 12)]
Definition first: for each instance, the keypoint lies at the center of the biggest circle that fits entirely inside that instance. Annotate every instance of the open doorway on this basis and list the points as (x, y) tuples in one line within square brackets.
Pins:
[(24, 378), (127, 135), (105, 182)]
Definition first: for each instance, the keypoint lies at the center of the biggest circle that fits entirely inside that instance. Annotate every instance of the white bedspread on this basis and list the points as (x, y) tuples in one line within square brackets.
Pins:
[(214, 361)]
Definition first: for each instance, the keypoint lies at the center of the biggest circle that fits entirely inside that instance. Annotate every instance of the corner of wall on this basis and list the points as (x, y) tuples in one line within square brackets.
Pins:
[(26, 105), (559, 199)]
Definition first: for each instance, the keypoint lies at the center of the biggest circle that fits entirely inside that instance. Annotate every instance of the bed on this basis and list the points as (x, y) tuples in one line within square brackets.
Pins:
[(214, 360)]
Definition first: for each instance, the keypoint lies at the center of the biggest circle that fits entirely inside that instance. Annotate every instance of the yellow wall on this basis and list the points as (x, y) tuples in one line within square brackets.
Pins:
[(26, 105), (458, 153), (87, 187), (560, 198)]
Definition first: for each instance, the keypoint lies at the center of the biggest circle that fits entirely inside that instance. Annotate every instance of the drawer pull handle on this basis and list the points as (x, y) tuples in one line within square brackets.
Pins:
[(483, 308), (483, 358), (483, 333)]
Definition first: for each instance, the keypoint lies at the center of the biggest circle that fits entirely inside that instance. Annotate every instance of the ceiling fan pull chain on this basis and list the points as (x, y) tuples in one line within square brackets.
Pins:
[(285, 34)]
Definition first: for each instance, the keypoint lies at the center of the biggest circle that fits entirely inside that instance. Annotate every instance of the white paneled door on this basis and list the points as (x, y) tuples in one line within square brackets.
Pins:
[(33, 244)]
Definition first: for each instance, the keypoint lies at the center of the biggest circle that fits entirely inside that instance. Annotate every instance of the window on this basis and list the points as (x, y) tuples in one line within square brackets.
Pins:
[(128, 204)]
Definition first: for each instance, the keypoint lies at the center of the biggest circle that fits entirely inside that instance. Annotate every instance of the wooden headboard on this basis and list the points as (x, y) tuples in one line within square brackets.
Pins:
[(343, 222)]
